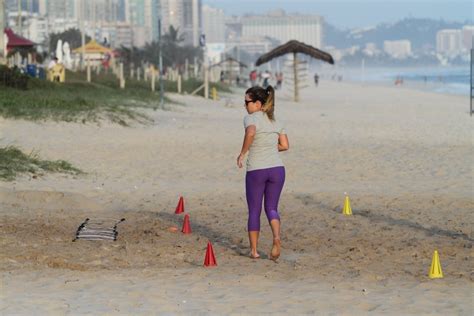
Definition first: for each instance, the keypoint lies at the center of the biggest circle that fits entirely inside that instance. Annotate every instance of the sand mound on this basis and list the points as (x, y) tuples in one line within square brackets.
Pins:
[(46, 201)]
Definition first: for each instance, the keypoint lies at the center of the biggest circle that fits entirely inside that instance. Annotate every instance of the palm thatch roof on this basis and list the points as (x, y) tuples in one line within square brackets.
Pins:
[(294, 46), (230, 61)]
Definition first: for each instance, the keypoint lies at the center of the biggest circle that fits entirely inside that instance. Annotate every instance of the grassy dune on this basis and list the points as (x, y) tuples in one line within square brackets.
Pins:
[(77, 100), (14, 162)]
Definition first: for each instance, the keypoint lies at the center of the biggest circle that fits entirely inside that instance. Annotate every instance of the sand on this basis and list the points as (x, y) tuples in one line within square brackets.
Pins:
[(403, 156)]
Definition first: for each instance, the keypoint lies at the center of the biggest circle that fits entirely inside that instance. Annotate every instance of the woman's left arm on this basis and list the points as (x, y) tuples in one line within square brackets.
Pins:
[(283, 144)]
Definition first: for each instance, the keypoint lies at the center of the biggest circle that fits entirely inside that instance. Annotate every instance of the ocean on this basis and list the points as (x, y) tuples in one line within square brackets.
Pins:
[(446, 80)]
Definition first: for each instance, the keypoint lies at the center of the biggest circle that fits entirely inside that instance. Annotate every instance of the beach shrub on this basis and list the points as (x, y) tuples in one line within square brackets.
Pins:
[(12, 77), (13, 162)]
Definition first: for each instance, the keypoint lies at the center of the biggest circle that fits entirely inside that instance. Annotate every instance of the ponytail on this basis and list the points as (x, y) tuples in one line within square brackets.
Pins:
[(266, 97), (269, 106)]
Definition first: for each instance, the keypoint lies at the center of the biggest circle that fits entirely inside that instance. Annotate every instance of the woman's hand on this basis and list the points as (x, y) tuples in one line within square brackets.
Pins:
[(240, 160)]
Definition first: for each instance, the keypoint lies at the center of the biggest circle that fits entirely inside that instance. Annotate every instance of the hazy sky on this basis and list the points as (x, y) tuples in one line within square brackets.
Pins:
[(356, 13)]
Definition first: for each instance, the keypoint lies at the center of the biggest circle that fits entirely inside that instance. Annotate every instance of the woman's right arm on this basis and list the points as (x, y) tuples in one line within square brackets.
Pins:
[(283, 144), (248, 140)]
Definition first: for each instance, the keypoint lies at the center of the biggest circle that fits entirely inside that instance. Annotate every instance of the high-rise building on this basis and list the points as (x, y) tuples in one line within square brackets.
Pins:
[(30, 6), (143, 16), (185, 16), (467, 36), (192, 21), (282, 27), (449, 41), (172, 15), (152, 16), (397, 49), (2, 26), (135, 12), (213, 24), (121, 16), (38, 29), (58, 9)]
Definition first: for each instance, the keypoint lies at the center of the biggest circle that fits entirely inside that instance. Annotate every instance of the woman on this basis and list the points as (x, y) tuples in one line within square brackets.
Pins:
[(264, 138)]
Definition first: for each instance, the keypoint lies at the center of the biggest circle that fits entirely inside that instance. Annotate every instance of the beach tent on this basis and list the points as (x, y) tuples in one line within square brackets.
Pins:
[(17, 41), (295, 47), (94, 52), (16, 46)]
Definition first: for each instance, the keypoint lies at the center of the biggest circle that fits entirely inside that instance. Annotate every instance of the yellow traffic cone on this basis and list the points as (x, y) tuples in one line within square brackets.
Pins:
[(435, 270), (347, 210)]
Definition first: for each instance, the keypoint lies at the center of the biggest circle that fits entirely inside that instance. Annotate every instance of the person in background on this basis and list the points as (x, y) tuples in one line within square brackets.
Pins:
[(279, 80), (266, 79), (253, 78), (52, 63)]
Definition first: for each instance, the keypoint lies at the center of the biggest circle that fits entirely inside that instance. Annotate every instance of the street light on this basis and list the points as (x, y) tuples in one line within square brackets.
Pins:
[(162, 89)]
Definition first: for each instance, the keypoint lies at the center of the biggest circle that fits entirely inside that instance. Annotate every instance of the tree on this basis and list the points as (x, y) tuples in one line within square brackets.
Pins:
[(72, 36), (131, 56), (173, 52)]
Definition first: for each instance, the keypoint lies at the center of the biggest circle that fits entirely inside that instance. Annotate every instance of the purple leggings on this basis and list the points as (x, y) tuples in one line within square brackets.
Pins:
[(262, 183)]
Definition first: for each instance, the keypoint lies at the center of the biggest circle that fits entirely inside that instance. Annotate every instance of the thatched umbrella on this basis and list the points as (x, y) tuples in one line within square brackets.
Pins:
[(295, 47)]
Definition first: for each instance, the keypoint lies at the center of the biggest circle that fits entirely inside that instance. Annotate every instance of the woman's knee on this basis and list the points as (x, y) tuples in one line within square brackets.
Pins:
[(272, 214)]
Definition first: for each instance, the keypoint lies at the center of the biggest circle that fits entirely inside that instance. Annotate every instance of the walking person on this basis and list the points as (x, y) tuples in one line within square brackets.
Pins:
[(279, 79), (266, 79), (264, 138)]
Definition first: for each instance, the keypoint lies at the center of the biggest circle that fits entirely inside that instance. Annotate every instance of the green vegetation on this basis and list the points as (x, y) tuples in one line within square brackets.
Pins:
[(78, 100), (13, 162)]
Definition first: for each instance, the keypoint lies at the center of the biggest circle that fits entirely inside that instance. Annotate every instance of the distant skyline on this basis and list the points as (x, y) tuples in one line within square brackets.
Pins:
[(355, 13)]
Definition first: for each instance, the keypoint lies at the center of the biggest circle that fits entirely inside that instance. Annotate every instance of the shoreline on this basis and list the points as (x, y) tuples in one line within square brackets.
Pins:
[(378, 76)]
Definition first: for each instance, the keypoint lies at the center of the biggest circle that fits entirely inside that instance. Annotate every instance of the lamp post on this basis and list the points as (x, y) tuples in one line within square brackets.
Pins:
[(83, 35), (160, 58), (3, 53)]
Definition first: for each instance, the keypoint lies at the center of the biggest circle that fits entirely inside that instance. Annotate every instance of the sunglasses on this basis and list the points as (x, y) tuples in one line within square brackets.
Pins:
[(248, 101)]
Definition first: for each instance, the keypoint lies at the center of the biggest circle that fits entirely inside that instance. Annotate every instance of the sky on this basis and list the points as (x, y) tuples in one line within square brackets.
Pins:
[(356, 13)]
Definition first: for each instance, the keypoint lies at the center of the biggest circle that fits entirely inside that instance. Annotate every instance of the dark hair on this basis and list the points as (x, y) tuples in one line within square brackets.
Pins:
[(266, 97)]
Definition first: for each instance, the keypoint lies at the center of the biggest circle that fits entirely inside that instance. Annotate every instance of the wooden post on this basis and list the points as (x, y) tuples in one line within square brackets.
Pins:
[(206, 83), (153, 75), (18, 59), (145, 75), (138, 73), (122, 79), (88, 70), (295, 73), (179, 84), (132, 73), (195, 67), (186, 69)]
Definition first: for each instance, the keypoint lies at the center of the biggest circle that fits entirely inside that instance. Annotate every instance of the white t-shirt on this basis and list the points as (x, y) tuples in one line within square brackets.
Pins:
[(51, 64), (263, 153)]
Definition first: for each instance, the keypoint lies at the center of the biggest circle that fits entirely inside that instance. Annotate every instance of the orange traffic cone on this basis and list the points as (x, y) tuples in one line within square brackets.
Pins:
[(180, 206), (210, 259), (186, 225)]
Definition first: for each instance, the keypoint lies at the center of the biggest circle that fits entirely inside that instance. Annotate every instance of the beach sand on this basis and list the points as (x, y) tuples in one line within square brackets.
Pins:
[(404, 157)]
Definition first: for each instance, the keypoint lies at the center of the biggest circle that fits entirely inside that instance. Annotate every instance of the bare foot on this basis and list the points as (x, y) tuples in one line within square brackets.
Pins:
[(275, 253), (254, 255)]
